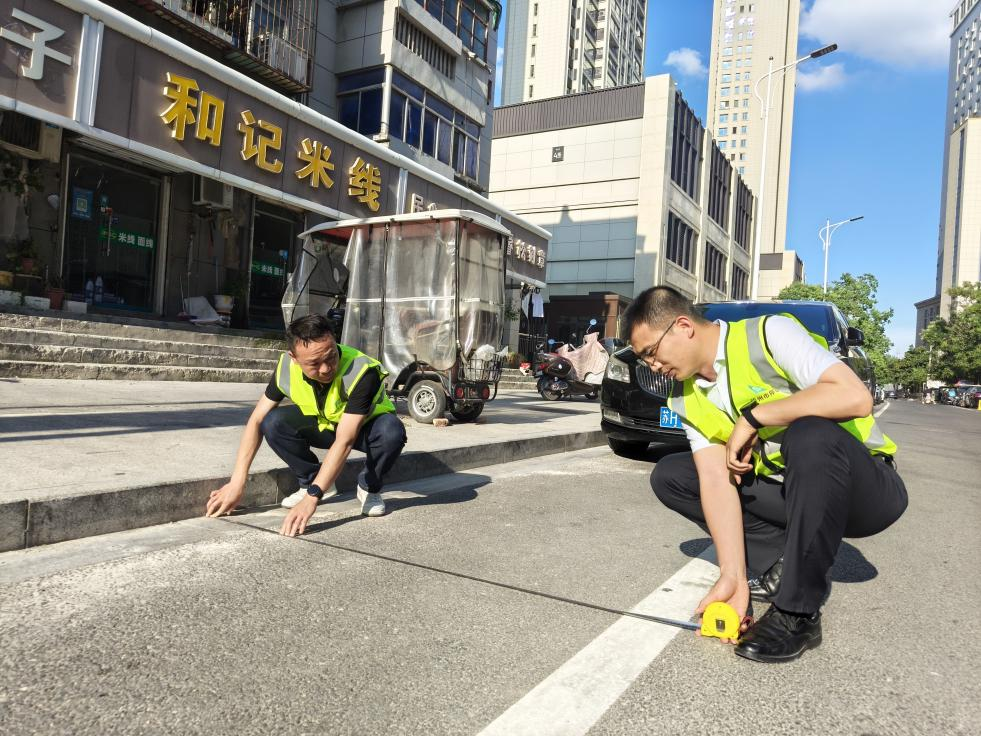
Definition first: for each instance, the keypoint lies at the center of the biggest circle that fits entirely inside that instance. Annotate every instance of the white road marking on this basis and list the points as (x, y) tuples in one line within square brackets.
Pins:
[(879, 413), (574, 697)]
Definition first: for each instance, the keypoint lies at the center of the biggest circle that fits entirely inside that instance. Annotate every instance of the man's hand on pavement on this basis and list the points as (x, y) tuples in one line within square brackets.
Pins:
[(296, 520), (734, 591), (739, 449), (224, 500)]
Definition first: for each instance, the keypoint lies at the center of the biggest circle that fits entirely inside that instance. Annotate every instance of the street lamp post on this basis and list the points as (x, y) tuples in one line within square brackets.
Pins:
[(766, 123), (825, 234)]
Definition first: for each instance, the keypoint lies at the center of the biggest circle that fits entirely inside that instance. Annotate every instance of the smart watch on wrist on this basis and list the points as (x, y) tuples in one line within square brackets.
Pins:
[(315, 491), (748, 416)]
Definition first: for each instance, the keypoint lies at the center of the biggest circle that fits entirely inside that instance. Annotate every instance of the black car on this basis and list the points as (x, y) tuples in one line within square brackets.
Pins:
[(634, 398)]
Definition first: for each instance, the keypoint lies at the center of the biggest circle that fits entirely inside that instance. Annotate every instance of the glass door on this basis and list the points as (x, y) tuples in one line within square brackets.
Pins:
[(111, 234)]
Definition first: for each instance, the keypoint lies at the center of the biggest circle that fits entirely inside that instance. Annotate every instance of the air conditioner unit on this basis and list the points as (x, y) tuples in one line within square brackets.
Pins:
[(30, 138), (282, 55), (213, 194)]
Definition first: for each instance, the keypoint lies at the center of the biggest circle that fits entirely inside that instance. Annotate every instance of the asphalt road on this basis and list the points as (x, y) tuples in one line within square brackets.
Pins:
[(447, 615)]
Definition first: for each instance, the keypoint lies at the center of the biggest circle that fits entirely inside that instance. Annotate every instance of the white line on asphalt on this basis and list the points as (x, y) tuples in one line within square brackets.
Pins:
[(879, 413), (574, 697)]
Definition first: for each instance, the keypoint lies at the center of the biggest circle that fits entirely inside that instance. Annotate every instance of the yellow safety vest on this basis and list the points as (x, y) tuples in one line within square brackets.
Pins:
[(755, 378), (351, 368)]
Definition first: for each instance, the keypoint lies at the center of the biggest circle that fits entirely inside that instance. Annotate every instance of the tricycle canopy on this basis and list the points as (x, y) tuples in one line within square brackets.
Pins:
[(423, 288)]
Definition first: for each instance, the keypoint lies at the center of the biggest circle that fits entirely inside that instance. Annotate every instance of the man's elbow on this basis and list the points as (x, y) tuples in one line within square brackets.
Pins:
[(862, 403)]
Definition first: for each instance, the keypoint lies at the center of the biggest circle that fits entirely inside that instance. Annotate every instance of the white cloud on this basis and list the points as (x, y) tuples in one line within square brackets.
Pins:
[(902, 32), (687, 62), (821, 78)]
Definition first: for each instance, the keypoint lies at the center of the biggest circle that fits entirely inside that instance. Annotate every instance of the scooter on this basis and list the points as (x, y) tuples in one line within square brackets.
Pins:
[(558, 378)]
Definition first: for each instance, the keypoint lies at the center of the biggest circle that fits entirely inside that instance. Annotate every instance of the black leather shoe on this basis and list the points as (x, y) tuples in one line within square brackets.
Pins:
[(780, 637), (767, 585)]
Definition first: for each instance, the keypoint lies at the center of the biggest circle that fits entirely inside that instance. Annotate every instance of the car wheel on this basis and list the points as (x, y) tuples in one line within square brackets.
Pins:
[(627, 449), (427, 401), (466, 413)]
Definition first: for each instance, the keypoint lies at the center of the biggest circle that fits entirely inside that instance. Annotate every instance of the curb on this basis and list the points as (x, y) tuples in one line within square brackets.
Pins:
[(25, 523)]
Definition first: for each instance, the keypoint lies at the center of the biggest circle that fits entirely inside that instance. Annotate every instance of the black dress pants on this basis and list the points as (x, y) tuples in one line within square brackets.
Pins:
[(290, 434), (832, 488)]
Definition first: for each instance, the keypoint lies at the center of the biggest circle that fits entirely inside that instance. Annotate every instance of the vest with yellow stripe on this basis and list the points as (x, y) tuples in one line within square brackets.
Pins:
[(755, 378), (351, 368)]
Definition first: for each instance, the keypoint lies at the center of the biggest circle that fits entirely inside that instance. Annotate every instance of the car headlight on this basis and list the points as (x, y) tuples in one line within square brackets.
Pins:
[(617, 370)]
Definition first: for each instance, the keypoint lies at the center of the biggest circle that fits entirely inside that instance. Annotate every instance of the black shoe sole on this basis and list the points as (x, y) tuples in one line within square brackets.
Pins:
[(769, 659)]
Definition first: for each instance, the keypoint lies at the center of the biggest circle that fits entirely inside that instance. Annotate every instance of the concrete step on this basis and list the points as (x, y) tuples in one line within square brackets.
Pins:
[(75, 354), (515, 386), (99, 371), (135, 328), (73, 339)]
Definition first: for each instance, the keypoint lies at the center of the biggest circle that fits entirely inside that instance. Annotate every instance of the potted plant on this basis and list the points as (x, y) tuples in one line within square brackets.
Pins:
[(55, 292), (27, 257)]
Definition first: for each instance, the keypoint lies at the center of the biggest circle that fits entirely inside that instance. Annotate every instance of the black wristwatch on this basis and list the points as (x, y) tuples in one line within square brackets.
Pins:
[(748, 416), (315, 491)]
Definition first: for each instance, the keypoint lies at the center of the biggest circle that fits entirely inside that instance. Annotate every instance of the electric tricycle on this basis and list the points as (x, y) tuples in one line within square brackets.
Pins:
[(424, 295)]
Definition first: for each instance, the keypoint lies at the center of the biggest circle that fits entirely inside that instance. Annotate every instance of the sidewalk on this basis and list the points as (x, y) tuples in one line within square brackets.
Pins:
[(91, 457)]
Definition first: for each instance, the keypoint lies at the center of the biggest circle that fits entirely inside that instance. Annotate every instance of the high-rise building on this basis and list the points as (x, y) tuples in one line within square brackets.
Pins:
[(745, 35), (959, 239), (635, 193), (560, 47)]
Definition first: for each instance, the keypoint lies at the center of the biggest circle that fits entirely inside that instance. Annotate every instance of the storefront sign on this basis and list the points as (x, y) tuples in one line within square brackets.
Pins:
[(267, 269), (124, 237), (37, 44), (526, 252)]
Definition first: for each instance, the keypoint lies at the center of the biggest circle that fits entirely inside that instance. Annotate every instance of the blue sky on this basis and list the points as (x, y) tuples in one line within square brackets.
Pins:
[(868, 134)]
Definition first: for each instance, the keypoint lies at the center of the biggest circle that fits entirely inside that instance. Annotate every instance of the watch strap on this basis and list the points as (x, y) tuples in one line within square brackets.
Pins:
[(748, 416), (315, 491)]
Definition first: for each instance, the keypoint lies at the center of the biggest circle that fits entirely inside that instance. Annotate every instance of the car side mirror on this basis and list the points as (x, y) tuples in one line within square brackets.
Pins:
[(855, 337)]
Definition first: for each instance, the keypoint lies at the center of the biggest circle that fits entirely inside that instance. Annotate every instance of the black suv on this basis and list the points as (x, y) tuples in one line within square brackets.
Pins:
[(634, 398)]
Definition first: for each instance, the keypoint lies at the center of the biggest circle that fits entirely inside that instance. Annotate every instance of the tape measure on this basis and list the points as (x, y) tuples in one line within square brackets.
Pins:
[(719, 620)]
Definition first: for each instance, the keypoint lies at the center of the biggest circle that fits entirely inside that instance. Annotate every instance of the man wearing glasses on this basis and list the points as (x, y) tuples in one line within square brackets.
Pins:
[(339, 403), (785, 459)]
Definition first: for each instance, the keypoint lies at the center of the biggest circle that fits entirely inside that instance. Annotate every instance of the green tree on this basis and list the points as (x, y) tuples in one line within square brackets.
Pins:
[(911, 371), (855, 296), (956, 342)]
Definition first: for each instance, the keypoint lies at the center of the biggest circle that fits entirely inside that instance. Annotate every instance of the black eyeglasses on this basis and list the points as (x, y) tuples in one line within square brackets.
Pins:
[(651, 352)]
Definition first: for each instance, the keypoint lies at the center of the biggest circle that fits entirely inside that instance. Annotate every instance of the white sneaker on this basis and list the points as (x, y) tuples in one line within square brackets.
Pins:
[(294, 498), (372, 504)]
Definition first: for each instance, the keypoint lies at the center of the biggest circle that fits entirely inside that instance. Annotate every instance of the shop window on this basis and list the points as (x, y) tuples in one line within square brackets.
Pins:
[(112, 233)]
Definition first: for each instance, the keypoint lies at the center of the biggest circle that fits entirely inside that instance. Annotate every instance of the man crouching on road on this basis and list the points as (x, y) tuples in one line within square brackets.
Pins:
[(785, 459), (339, 403)]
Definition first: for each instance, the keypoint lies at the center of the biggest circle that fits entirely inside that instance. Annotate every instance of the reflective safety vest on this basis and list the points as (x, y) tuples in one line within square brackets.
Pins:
[(352, 367), (755, 378)]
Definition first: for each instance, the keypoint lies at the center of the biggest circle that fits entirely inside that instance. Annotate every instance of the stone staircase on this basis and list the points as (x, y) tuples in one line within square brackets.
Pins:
[(512, 380), (47, 345)]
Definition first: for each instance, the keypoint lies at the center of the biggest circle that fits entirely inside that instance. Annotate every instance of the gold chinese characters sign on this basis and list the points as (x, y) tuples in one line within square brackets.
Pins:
[(526, 252), (192, 110)]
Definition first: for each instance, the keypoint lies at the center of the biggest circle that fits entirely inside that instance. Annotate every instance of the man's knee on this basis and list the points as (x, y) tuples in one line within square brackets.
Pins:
[(388, 432), (812, 432), (274, 424)]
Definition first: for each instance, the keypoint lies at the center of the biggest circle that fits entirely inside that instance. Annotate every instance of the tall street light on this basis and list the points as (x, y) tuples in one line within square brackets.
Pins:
[(825, 234), (766, 121)]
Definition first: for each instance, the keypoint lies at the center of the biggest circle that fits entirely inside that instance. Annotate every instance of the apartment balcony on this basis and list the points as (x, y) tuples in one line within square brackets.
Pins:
[(268, 39)]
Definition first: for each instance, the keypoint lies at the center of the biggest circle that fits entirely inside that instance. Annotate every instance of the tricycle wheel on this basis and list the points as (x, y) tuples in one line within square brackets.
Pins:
[(427, 401), (467, 412)]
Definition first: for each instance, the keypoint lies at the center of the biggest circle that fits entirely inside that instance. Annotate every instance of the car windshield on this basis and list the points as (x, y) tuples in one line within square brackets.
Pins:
[(816, 317)]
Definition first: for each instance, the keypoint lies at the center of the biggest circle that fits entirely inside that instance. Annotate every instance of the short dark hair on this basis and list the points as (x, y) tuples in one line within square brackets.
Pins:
[(656, 307), (312, 328)]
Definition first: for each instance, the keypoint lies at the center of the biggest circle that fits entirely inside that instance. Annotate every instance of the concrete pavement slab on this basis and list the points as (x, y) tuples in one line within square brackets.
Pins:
[(96, 457)]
